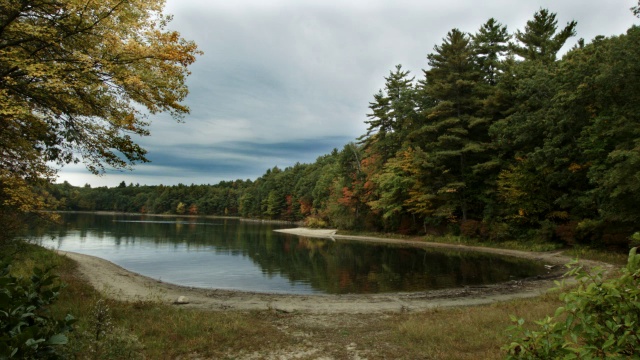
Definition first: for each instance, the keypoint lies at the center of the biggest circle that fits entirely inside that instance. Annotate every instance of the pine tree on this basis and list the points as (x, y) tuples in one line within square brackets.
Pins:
[(490, 45), (453, 135), (540, 39), (393, 114)]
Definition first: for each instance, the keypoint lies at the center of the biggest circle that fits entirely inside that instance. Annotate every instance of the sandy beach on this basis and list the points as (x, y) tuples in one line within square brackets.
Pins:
[(119, 283)]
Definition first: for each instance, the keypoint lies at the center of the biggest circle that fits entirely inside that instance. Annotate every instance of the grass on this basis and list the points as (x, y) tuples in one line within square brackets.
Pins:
[(469, 333), (528, 245), (524, 245), (608, 256), (163, 331), (146, 329), (617, 257)]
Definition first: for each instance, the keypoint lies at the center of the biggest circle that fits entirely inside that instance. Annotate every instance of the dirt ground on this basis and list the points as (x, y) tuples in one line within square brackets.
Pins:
[(121, 284)]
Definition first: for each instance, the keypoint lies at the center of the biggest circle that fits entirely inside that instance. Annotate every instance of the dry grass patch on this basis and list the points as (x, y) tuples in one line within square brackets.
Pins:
[(160, 331), (470, 332)]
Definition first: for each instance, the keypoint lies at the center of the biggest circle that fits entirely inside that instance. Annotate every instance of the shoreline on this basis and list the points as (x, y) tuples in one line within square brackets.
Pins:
[(119, 283), (188, 216)]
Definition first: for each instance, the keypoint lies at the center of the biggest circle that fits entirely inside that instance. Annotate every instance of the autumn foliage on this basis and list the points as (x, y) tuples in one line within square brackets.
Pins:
[(77, 80)]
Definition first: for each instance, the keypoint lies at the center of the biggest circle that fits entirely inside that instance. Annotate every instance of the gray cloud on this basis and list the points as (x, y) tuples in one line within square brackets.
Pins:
[(193, 163)]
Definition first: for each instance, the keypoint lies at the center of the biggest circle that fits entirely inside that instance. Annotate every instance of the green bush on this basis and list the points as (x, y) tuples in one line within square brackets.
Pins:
[(315, 222), (600, 319), (634, 240), (26, 329)]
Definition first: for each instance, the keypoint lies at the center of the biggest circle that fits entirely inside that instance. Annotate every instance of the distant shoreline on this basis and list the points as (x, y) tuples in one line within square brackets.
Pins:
[(266, 221)]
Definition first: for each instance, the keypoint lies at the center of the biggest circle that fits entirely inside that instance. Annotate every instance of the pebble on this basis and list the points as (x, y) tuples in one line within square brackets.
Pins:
[(181, 300)]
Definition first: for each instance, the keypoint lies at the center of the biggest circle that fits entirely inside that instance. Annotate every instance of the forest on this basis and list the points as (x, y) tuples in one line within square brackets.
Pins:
[(498, 138)]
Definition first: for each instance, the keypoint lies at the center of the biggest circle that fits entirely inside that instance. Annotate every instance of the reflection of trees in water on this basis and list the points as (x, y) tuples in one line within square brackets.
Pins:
[(328, 266), (351, 267)]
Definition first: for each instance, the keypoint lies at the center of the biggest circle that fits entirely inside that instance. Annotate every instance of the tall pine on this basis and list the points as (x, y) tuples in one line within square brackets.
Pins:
[(490, 46), (393, 114), (453, 135), (541, 39)]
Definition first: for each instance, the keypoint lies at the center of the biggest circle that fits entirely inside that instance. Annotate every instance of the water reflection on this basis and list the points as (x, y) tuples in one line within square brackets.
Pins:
[(230, 254)]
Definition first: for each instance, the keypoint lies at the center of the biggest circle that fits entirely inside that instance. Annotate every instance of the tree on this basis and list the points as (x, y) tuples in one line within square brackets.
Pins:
[(393, 114), (181, 208), (540, 40), (490, 44), (609, 142), (523, 96), (454, 135), (77, 79), (570, 145), (528, 89)]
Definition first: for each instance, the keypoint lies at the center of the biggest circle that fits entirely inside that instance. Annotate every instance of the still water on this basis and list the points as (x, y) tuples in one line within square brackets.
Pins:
[(247, 256)]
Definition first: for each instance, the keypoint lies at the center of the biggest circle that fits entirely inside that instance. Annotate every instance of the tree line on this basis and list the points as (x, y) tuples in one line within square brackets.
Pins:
[(497, 139)]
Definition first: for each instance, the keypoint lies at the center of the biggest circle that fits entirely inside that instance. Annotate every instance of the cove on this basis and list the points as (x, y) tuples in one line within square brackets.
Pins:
[(248, 256)]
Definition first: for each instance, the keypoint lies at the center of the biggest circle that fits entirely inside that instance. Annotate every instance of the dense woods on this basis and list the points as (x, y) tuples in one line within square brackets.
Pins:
[(496, 139)]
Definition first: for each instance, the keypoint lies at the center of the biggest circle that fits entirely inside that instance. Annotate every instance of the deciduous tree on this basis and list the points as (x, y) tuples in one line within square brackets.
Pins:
[(78, 79)]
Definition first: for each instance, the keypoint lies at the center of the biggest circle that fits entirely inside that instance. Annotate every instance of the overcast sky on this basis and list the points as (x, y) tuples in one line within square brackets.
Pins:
[(285, 81)]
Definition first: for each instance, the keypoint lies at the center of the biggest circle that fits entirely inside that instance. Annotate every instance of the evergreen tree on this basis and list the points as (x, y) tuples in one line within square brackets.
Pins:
[(490, 45), (454, 135), (540, 39), (393, 114)]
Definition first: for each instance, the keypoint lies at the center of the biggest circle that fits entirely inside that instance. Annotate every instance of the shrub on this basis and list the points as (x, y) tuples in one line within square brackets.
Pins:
[(634, 240), (600, 319), (315, 222), (26, 329), (589, 231), (499, 231)]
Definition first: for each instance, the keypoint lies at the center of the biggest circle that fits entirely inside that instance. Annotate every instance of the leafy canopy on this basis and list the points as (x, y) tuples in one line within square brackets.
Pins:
[(77, 80)]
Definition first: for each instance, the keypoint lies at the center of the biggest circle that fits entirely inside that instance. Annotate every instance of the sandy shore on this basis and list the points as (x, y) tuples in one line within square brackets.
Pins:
[(119, 283)]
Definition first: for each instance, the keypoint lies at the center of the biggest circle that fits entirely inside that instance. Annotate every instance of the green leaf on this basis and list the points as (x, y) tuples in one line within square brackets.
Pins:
[(610, 341), (559, 311), (57, 339), (33, 342)]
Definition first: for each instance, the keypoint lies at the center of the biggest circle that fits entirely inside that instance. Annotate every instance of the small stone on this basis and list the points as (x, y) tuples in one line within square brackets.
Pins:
[(181, 300)]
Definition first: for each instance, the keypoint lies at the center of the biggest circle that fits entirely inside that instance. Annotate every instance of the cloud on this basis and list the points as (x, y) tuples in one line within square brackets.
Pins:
[(285, 81), (209, 164)]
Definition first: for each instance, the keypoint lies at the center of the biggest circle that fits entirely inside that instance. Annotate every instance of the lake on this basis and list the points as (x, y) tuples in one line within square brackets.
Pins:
[(249, 256)]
